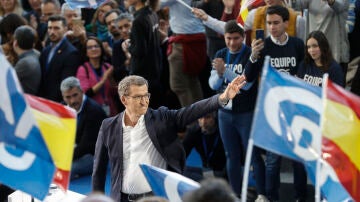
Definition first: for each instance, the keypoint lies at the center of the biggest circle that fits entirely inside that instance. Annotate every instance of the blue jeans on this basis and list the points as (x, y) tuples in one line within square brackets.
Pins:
[(235, 131), (267, 174), (259, 170), (82, 166), (272, 175)]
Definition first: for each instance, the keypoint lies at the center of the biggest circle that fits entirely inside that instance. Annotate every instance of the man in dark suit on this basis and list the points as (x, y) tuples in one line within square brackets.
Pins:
[(148, 136), (58, 61), (89, 118)]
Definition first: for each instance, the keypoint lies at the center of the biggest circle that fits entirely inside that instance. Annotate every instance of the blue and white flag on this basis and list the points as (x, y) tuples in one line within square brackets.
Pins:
[(25, 162), (85, 3), (287, 122), (168, 184), (287, 117)]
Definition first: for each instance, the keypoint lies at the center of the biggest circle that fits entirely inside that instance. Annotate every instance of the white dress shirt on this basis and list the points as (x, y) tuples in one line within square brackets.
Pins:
[(138, 149)]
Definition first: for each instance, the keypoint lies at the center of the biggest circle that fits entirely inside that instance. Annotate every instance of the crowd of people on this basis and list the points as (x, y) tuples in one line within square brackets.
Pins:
[(126, 66)]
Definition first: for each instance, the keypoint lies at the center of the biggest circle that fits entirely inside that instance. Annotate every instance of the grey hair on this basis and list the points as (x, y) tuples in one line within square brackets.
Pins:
[(124, 85), (66, 6), (69, 83), (124, 16)]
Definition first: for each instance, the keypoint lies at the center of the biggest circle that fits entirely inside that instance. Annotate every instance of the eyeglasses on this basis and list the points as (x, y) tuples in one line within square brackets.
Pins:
[(140, 97), (92, 47)]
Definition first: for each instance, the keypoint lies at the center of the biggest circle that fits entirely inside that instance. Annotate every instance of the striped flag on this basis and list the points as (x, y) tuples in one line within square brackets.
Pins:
[(168, 184), (57, 124), (287, 121), (341, 136), (244, 11), (25, 162)]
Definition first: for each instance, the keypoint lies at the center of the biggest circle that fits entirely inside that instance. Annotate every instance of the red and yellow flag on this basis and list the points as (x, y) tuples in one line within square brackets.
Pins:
[(57, 124), (244, 11), (341, 136)]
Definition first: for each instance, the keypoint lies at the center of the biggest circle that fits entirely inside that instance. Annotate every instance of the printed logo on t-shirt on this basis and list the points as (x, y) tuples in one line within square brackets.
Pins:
[(237, 68), (283, 64), (313, 80)]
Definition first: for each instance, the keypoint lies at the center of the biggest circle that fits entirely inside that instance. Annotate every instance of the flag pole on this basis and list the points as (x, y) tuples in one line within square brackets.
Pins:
[(318, 161), (246, 170), (184, 4)]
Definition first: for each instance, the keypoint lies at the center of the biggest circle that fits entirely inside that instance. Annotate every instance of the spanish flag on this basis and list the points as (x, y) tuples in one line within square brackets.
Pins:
[(244, 11), (57, 124), (341, 136)]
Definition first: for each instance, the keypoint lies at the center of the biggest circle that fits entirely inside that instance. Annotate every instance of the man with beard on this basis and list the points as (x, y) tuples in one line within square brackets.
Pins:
[(58, 60), (113, 31)]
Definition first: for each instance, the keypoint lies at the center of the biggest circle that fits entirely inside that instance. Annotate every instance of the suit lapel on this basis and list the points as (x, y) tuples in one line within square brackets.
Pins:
[(119, 129), (150, 127)]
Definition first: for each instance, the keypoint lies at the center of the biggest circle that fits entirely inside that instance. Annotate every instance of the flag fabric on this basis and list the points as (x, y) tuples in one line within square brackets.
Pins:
[(341, 136), (287, 116), (168, 184), (244, 11), (287, 122), (57, 124), (350, 21), (85, 3), (25, 162)]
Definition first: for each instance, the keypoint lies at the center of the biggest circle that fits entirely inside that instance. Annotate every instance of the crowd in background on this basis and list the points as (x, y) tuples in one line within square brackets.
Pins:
[(182, 53)]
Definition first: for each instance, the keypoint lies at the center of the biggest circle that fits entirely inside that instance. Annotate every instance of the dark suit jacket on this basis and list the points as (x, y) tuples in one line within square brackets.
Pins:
[(87, 128), (28, 71), (63, 64), (118, 61), (162, 126)]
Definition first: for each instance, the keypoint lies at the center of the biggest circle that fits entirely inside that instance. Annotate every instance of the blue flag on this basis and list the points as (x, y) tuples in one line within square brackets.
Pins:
[(25, 162), (287, 119), (287, 122), (85, 3), (168, 184)]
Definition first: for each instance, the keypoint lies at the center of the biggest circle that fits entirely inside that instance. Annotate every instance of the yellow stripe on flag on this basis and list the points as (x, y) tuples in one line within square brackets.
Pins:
[(244, 13), (342, 126), (59, 135)]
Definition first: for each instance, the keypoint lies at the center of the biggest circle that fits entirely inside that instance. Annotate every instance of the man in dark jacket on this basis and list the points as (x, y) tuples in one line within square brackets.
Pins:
[(144, 48), (147, 136), (89, 118), (58, 60)]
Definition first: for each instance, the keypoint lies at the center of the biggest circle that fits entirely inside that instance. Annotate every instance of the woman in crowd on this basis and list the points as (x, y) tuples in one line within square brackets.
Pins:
[(98, 25), (319, 60), (95, 77), (10, 6)]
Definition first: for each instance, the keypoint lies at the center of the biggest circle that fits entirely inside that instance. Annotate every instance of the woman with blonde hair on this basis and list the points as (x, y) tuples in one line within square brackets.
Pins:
[(10, 6)]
